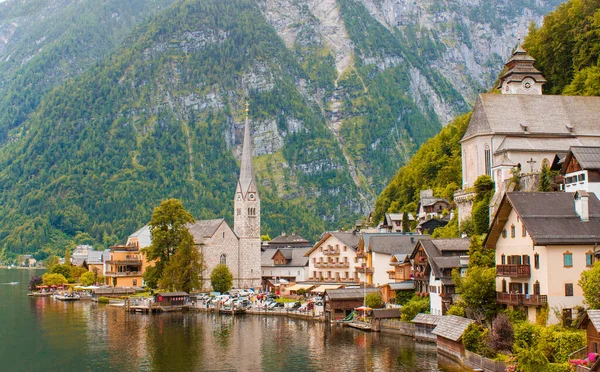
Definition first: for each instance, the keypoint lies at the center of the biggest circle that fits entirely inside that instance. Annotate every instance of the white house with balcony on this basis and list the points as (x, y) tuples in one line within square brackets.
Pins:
[(543, 241), (334, 258)]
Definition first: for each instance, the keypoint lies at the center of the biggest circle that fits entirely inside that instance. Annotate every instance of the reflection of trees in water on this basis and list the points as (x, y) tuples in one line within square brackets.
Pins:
[(174, 342), (221, 331), (406, 359)]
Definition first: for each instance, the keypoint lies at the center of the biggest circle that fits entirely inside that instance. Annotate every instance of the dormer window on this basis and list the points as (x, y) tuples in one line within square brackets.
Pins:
[(524, 127)]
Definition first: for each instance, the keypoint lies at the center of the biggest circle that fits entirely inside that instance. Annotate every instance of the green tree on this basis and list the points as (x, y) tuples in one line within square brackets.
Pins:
[(87, 278), (405, 222), (64, 270), (484, 188), (50, 262), (54, 279), (184, 270), (67, 256), (151, 277), (480, 256), (168, 228), (590, 283), (477, 291), (545, 181), (374, 300), (413, 307), (221, 278)]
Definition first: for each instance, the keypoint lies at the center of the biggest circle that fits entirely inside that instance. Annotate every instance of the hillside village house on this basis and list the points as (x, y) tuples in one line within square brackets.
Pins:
[(289, 264), (522, 129), (543, 241), (581, 169), (379, 249), (430, 207), (400, 277), (393, 222), (287, 241), (433, 262), (334, 257)]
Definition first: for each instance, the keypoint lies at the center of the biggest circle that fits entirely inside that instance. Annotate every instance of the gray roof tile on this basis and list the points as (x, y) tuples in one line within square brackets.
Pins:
[(427, 319), (451, 327)]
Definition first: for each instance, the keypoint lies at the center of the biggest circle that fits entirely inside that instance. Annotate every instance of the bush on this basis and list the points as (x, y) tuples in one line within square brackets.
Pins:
[(301, 292), (103, 300), (564, 343), (64, 270), (87, 278), (475, 340), (502, 336), (54, 279), (413, 307), (374, 300), (34, 282), (457, 309), (402, 297), (559, 367)]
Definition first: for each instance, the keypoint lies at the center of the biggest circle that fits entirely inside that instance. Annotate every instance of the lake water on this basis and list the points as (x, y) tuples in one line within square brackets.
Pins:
[(42, 334)]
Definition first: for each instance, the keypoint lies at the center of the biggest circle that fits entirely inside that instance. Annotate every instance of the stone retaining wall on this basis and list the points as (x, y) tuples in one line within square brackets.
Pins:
[(397, 327)]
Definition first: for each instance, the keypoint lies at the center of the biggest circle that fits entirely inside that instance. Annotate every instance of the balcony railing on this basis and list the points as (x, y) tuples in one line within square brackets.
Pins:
[(521, 299), (128, 261), (360, 269), (361, 255), (332, 265), (331, 251), (123, 273), (514, 271)]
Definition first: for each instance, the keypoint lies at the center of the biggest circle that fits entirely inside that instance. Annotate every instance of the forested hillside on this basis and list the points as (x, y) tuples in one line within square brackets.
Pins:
[(103, 115), (567, 52)]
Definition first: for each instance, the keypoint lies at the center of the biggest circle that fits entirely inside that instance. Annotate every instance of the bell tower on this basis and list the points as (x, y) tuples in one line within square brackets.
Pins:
[(246, 223), (520, 76)]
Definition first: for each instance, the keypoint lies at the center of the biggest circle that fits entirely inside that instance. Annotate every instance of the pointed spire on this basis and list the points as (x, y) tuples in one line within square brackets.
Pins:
[(246, 169)]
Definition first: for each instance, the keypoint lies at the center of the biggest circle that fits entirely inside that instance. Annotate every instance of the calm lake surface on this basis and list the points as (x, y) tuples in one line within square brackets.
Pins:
[(42, 334)]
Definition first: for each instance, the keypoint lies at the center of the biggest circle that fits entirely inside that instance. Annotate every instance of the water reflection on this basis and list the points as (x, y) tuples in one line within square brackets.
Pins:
[(50, 334)]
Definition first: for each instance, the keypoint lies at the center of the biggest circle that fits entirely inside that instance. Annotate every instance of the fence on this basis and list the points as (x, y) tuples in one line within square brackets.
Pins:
[(477, 361)]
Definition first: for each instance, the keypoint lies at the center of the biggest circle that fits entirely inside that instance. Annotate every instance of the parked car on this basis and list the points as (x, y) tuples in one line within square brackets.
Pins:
[(245, 303), (276, 305), (295, 306)]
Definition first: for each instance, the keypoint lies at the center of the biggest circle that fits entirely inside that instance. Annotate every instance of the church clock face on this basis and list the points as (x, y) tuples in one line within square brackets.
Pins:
[(252, 196), (527, 84)]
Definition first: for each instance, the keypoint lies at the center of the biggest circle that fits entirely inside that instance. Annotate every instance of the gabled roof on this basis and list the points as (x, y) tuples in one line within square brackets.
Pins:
[(427, 319), (349, 239), (588, 158), (285, 239), (592, 316), (203, 229), (447, 262), (401, 286), (94, 257), (443, 248), (549, 218), (296, 256), (349, 293), (452, 327), (390, 243), (390, 217), (562, 116)]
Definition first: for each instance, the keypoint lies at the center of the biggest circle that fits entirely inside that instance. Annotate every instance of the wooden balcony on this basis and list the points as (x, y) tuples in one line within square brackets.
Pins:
[(360, 269), (123, 273), (517, 299), (514, 271), (332, 265), (331, 251)]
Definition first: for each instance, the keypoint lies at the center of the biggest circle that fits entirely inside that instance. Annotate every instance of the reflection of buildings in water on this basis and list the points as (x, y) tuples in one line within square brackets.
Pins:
[(125, 336), (235, 345)]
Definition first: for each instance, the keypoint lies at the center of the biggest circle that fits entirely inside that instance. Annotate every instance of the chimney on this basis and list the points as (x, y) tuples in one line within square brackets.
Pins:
[(582, 207)]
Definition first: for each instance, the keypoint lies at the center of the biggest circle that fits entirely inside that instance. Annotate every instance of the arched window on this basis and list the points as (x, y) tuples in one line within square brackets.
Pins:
[(546, 163), (223, 259), (488, 160)]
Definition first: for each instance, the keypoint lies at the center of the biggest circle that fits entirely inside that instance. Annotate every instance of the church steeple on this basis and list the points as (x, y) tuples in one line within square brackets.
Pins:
[(520, 76), (246, 169), (247, 202)]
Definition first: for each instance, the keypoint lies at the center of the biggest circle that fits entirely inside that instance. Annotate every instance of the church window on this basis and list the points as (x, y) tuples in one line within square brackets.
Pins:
[(223, 259), (239, 211), (512, 231), (523, 231), (223, 234), (504, 233), (488, 160)]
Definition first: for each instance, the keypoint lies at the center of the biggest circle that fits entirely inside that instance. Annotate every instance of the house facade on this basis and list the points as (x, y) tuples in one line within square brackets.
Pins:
[(432, 265), (289, 264), (334, 259), (430, 207), (543, 242)]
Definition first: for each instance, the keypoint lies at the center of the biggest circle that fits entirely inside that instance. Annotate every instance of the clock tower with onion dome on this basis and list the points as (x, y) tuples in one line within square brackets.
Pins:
[(246, 223)]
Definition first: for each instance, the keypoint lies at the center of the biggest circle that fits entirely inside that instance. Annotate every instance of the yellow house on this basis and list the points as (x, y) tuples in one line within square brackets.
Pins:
[(124, 265), (543, 242)]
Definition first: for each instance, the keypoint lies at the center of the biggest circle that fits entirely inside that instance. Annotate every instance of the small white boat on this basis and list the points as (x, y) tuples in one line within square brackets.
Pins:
[(67, 297), (13, 283)]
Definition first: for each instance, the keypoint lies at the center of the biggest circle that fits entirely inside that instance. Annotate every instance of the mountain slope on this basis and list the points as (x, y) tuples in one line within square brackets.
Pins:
[(341, 93)]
